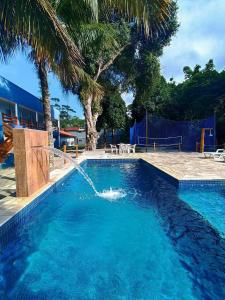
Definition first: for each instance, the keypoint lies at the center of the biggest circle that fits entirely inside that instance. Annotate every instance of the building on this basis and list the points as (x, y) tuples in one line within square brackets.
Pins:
[(80, 134), (15, 101), (67, 138), (27, 110)]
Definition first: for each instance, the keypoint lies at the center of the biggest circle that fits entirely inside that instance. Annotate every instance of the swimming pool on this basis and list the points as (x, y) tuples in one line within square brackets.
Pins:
[(147, 245)]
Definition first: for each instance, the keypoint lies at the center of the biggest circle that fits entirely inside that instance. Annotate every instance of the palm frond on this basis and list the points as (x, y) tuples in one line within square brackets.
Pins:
[(8, 44), (35, 23), (68, 83), (144, 12)]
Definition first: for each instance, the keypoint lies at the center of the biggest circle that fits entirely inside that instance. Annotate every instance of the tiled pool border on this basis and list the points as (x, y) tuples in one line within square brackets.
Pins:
[(19, 216), (187, 183)]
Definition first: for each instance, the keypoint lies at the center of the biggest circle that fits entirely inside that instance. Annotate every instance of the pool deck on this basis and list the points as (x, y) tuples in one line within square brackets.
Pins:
[(179, 165)]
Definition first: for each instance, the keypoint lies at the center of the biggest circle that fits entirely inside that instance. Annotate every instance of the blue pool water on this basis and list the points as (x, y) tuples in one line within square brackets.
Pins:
[(209, 203), (147, 245)]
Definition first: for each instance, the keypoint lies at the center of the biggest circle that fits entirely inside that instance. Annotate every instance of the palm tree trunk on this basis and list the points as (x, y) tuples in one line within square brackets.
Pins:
[(43, 78), (92, 134)]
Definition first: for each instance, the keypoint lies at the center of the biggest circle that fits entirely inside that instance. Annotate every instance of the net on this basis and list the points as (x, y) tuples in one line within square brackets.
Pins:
[(169, 133), (167, 142)]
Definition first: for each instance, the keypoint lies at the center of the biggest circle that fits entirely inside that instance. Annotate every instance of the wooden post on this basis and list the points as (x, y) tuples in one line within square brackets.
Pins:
[(196, 147), (179, 147), (64, 148), (76, 147), (31, 161), (202, 144), (154, 146)]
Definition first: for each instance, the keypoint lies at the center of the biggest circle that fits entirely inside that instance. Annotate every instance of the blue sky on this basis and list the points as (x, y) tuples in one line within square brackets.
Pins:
[(201, 36)]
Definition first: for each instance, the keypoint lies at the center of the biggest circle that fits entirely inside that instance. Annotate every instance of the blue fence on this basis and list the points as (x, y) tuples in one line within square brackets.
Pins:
[(186, 132)]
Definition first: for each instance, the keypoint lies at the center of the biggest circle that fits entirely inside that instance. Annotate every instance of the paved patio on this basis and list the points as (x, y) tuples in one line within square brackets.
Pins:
[(180, 165), (187, 166)]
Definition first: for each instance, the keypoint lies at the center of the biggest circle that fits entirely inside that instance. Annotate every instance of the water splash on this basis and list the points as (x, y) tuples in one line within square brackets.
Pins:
[(111, 194), (64, 155)]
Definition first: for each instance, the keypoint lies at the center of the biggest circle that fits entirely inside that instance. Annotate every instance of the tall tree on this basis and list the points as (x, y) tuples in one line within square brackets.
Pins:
[(25, 20), (35, 23), (137, 70), (147, 85), (200, 95), (113, 114), (102, 42)]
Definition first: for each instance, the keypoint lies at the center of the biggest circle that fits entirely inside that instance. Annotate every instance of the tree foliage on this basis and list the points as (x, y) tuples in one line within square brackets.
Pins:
[(113, 112), (200, 95), (67, 115), (104, 36), (137, 70), (35, 23)]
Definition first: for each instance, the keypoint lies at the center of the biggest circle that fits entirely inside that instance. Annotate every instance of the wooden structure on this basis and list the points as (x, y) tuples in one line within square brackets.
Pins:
[(31, 161), (7, 145), (202, 140), (76, 150)]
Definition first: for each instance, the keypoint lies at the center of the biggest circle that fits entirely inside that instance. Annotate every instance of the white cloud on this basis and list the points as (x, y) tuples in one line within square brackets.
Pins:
[(201, 36)]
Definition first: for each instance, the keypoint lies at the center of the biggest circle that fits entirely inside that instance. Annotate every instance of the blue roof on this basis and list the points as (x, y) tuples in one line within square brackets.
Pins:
[(10, 91)]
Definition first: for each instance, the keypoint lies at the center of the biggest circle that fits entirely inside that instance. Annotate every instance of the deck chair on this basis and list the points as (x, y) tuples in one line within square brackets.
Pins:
[(123, 148), (132, 148), (213, 154), (220, 157), (113, 148)]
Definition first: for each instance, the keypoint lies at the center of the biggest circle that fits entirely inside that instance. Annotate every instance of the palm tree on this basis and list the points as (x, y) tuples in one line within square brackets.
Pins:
[(150, 15), (35, 23)]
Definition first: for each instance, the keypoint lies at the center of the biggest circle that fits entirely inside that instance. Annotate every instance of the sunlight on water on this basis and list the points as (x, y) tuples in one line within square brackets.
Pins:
[(111, 194)]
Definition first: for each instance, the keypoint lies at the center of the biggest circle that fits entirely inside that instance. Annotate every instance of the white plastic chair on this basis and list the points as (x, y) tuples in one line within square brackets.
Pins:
[(113, 149), (214, 154), (122, 148), (132, 148), (220, 156)]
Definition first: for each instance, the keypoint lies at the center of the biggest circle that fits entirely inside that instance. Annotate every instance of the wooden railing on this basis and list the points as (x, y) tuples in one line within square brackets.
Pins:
[(9, 119), (8, 122)]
